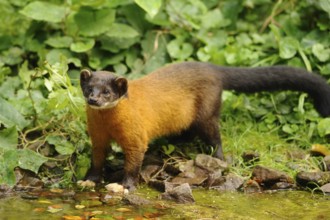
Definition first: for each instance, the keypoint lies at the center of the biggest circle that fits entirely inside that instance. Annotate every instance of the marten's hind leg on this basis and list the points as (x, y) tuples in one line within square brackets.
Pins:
[(208, 131)]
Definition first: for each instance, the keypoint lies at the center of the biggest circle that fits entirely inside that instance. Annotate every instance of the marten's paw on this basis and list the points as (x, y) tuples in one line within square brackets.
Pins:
[(86, 184), (129, 183)]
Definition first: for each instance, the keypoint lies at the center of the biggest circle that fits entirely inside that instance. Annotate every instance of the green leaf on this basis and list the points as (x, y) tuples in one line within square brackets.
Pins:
[(8, 138), (7, 166), (93, 22), (59, 42), (83, 45), (325, 5), (150, 6), (9, 116), (320, 52), (179, 50), (44, 11), (214, 19), (323, 127), (288, 47), (30, 160), (122, 31), (62, 146)]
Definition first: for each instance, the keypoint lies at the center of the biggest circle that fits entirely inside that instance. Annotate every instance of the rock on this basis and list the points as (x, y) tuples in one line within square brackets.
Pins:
[(267, 177), (231, 182), (195, 176), (313, 179), (250, 157), (179, 193), (116, 188), (282, 185), (86, 184), (326, 161), (26, 180), (111, 199), (215, 179), (210, 164), (136, 200), (326, 188), (252, 186)]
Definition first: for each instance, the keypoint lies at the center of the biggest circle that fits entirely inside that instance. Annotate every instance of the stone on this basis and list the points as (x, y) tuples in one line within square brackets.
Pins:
[(252, 186), (267, 177), (136, 200), (179, 193), (326, 188), (231, 182), (312, 179), (326, 161), (210, 164)]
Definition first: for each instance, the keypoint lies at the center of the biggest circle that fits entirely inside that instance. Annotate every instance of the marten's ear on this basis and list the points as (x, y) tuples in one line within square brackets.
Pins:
[(85, 74), (121, 85)]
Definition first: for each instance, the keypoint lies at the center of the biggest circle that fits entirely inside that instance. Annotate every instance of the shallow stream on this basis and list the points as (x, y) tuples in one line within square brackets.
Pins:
[(209, 205)]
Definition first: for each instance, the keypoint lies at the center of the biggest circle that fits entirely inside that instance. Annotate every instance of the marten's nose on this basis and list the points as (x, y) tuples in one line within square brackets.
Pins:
[(92, 101)]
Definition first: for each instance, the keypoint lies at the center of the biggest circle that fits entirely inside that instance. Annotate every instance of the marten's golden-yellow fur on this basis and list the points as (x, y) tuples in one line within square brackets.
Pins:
[(178, 98)]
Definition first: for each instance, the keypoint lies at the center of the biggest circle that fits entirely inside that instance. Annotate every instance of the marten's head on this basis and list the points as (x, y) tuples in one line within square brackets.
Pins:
[(102, 90)]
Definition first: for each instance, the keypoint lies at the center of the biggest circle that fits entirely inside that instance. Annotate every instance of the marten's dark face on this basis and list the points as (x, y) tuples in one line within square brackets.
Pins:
[(102, 90)]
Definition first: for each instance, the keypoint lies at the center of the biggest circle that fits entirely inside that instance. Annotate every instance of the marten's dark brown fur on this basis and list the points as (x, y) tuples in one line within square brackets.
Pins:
[(174, 99)]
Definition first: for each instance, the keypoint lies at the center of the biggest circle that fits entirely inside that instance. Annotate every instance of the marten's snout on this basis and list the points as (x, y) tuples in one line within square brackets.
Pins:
[(92, 101)]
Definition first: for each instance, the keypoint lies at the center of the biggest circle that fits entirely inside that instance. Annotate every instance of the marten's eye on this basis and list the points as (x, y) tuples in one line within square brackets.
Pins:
[(90, 89), (106, 91)]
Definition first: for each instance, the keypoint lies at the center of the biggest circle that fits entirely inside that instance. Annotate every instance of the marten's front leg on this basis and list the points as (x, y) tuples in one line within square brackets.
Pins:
[(133, 162), (99, 154)]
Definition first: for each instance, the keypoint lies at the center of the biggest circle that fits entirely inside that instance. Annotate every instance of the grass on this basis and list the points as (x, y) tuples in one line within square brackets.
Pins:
[(243, 135)]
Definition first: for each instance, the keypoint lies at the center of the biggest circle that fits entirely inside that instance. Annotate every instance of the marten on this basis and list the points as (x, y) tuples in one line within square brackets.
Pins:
[(178, 98)]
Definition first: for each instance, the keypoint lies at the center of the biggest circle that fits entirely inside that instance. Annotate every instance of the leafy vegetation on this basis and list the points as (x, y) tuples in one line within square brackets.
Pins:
[(44, 44)]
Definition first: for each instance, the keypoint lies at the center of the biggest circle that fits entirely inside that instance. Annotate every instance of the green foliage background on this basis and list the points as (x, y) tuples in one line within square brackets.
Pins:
[(44, 44)]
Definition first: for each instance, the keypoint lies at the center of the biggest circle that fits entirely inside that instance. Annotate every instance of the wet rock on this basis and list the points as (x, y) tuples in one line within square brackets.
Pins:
[(111, 199), (231, 182), (326, 188), (116, 188), (179, 193), (252, 186), (86, 184), (136, 200), (27, 180), (326, 161), (250, 157), (267, 177), (210, 164), (312, 179), (5, 190), (80, 196), (148, 171)]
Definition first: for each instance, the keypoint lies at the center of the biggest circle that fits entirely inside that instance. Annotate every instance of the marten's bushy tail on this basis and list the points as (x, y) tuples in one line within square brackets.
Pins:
[(278, 78)]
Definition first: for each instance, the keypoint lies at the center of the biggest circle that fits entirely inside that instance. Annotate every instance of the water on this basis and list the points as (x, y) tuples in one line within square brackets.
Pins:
[(209, 205)]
